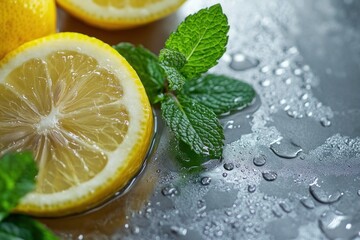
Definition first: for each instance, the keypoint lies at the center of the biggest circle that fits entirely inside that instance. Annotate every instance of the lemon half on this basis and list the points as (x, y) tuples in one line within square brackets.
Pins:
[(83, 112)]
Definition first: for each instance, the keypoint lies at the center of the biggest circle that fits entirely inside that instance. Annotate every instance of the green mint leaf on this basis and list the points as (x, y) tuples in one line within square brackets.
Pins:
[(146, 65), (220, 93), (17, 178), (194, 124), (175, 78), (20, 227), (172, 58), (202, 38)]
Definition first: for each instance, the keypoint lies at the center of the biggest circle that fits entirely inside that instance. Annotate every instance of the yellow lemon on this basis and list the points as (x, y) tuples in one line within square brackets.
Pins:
[(119, 14), (25, 20), (81, 109)]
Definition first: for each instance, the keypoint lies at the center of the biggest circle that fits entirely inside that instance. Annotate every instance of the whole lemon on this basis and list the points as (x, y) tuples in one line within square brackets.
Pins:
[(24, 20)]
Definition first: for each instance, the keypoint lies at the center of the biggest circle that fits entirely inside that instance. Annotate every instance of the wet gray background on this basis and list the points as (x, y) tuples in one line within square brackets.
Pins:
[(291, 161)]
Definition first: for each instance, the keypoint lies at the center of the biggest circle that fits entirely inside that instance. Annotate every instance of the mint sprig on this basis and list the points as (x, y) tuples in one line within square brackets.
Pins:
[(190, 101), (17, 178), (202, 38)]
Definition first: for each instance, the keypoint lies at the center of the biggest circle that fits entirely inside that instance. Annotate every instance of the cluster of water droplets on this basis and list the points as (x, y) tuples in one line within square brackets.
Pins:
[(233, 200)]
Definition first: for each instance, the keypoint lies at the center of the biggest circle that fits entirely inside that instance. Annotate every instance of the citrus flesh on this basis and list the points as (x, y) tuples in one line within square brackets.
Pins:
[(119, 14), (25, 20), (81, 109)]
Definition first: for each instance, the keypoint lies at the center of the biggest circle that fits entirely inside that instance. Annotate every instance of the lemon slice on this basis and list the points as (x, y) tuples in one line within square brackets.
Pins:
[(81, 109), (118, 14)]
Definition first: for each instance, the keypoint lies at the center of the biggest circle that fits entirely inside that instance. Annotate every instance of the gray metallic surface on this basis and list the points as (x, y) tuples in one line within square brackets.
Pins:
[(295, 152)]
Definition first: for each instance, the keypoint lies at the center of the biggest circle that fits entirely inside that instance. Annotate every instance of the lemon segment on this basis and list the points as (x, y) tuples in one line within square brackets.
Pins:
[(119, 14), (83, 112)]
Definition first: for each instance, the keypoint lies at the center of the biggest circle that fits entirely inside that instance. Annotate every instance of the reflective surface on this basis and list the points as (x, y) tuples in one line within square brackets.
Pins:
[(291, 166)]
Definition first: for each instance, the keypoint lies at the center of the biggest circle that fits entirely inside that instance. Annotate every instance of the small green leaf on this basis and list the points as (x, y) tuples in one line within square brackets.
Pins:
[(17, 178), (176, 80), (20, 227), (202, 38), (220, 93), (146, 65), (194, 124), (172, 58)]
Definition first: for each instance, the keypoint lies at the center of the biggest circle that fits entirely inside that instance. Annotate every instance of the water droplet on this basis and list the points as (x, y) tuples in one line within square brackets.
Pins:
[(335, 225), (288, 81), (325, 122), (135, 230), (259, 161), (279, 71), (241, 62), (284, 64), (286, 207), (292, 50), (307, 202), (265, 83), (251, 188), (229, 166), (269, 176), (205, 181), (285, 149), (180, 231), (322, 196), (229, 124), (170, 191), (298, 72), (265, 69)]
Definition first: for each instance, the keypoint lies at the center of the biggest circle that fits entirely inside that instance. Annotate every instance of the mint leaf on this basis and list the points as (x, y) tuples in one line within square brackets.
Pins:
[(194, 124), (17, 178), (147, 66), (175, 78), (20, 227), (220, 93), (202, 38), (172, 58)]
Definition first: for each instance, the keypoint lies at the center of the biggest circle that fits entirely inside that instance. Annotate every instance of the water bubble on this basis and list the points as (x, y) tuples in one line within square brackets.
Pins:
[(259, 161), (307, 202), (251, 188), (358, 192), (269, 176), (335, 225), (325, 122), (170, 191), (224, 174), (322, 196), (286, 149), (241, 62), (205, 181), (229, 166)]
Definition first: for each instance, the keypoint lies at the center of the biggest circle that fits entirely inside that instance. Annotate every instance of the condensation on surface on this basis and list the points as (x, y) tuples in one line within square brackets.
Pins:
[(240, 203), (58, 108)]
